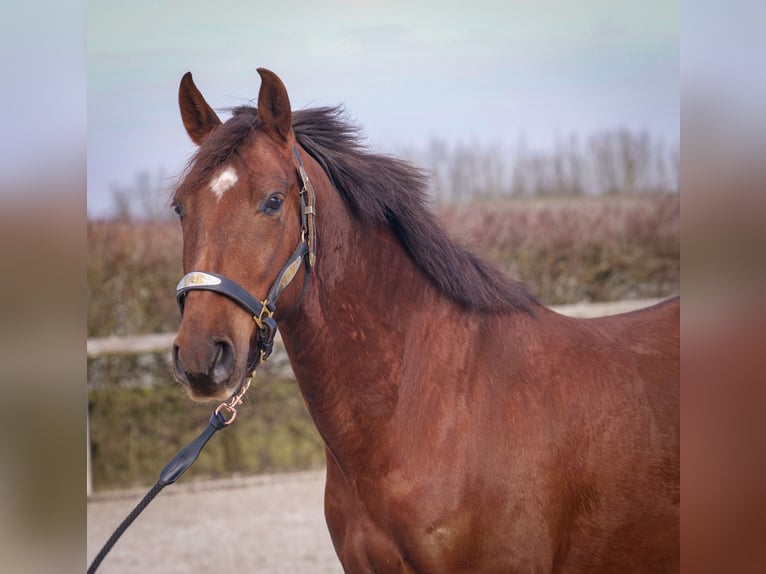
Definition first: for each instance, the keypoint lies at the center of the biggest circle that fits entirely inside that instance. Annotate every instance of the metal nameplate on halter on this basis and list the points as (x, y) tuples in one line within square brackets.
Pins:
[(197, 278), (290, 271)]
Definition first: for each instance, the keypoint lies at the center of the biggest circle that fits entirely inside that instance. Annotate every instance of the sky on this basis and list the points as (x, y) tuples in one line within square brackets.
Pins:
[(486, 71)]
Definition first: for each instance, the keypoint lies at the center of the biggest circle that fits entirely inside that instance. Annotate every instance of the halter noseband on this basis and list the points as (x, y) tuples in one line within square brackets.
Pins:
[(263, 311)]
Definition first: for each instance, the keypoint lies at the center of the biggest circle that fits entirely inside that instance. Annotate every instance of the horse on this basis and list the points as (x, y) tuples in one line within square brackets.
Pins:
[(467, 427)]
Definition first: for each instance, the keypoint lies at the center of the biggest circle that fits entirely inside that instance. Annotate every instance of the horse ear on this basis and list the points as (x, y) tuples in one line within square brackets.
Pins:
[(274, 106), (198, 117)]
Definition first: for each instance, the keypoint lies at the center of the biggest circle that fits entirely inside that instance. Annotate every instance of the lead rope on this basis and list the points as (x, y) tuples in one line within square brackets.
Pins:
[(262, 312), (176, 467)]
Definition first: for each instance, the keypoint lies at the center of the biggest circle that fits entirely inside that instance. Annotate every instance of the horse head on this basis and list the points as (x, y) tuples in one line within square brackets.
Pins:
[(242, 209)]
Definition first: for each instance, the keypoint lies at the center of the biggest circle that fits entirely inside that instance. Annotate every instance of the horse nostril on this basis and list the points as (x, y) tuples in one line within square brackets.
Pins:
[(222, 365), (177, 365)]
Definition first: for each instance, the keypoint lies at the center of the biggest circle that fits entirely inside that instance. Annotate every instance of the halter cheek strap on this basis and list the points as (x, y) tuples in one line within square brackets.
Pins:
[(263, 311)]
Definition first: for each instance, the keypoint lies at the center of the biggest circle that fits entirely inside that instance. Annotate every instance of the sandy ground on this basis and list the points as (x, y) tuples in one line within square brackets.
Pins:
[(263, 524)]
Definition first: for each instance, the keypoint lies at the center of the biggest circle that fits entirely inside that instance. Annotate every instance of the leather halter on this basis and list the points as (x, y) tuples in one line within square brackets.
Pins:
[(263, 311)]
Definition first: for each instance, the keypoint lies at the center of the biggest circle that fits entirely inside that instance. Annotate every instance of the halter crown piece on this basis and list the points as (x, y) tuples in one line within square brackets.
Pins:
[(263, 311)]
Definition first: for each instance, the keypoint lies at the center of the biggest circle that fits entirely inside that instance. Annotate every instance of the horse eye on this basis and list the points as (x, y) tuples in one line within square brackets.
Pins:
[(179, 211), (273, 204)]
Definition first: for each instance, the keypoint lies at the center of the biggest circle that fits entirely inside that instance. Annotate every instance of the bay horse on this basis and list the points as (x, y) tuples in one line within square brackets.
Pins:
[(467, 427)]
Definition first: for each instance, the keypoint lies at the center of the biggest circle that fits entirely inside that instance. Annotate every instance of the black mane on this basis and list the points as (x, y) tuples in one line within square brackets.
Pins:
[(383, 189)]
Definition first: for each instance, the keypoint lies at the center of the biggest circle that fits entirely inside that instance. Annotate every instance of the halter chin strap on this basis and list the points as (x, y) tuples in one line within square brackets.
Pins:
[(263, 311)]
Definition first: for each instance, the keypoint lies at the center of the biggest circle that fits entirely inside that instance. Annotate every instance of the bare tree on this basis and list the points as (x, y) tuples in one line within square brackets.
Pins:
[(146, 197)]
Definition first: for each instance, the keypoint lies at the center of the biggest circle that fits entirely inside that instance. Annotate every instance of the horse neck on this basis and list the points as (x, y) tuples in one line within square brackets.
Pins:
[(346, 340)]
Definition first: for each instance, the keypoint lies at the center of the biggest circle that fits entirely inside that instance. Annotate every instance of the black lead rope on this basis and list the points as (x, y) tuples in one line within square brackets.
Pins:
[(172, 472), (262, 312)]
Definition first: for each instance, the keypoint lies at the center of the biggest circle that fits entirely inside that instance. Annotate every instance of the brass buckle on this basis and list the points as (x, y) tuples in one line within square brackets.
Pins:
[(264, 313)]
